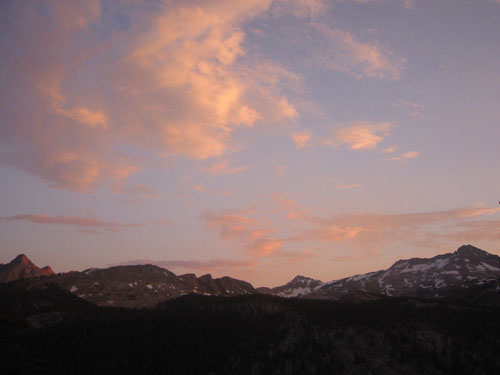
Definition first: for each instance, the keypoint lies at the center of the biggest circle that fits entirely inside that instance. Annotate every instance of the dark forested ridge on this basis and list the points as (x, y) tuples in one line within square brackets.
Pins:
[(52, 331)]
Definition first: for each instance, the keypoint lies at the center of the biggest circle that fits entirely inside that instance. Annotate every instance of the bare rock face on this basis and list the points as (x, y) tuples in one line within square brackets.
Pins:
[(22, 268), (421, 277)]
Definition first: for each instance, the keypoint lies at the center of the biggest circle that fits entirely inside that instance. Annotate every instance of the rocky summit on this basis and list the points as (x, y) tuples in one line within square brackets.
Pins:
[(147, 285), (299, 286), (22, 268)]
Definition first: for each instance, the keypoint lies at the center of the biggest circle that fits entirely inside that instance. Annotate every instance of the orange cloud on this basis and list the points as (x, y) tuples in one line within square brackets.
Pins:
[(301, 139), (361, 135), (265, 246)]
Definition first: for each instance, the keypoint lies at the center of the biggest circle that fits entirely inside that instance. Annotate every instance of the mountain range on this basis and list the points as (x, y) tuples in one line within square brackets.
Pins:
[(147, 285)]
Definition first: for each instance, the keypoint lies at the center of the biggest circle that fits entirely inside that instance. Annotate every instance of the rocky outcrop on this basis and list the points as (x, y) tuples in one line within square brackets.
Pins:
[(21, 267)]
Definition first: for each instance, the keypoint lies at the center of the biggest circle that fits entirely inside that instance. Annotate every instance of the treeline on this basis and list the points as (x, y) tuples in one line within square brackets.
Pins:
[(52, 331)]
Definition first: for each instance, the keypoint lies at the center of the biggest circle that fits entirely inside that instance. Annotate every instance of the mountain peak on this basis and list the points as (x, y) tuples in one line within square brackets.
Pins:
[(469, 250), (21, 267), (432, 277), (21, 258)]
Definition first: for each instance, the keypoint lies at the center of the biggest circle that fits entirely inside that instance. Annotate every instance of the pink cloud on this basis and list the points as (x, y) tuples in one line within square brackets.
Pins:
[(180, 83), (224, 168), (198, 188), (375, 229), (390, 150), (90, 224), (406, 156), (250, 233)]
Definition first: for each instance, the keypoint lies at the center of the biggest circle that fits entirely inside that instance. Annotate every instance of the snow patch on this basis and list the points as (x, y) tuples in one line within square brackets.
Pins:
[(149, 286), (490, 267), (73, 289), (296, 292)]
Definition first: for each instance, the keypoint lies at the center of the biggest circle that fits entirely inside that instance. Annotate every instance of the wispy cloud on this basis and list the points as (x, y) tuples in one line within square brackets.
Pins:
[(91, 225), (224, 168), (343, 52), (390, 149), (289, 207), (339, 185), (264, 246), (236, 223), (412, 109), (141, 189), (241, 225), (408, 4), (362, 135), (351, 186), (376, 229), (198, 188), (299, 8), (406, 156)]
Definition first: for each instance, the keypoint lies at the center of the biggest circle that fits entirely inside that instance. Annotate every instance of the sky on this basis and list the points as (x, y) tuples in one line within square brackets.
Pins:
[(258, 139)]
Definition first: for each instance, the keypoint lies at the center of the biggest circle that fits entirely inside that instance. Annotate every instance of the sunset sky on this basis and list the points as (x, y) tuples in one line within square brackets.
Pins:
[(257, 139)]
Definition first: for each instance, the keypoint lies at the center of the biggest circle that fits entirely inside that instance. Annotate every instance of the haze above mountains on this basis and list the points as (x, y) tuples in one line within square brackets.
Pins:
[(147, 285)]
